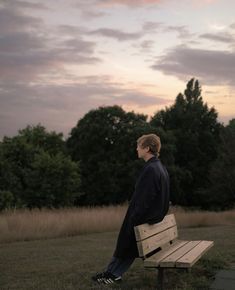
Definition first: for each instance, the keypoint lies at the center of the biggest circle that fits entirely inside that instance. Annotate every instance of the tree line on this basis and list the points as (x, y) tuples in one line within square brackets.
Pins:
[(98, 165)]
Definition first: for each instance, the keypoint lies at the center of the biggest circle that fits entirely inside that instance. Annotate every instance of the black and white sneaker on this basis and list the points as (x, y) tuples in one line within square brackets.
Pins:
[(99, 277), (109, 278)]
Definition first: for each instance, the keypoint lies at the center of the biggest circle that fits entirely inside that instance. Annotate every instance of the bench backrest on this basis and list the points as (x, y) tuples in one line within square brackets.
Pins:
[(150, 238)]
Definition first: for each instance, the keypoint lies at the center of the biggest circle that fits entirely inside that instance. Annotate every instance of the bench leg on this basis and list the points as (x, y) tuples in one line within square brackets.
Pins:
[(160, 278)]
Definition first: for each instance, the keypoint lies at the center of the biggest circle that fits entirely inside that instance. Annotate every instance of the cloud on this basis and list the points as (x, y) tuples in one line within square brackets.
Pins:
[(75, 44), (151, 26), (91, 14), (71, 30), (117, 34), (202, 3), (89, 9), (147, 3), (141, 100), (24, 5), (19, 42), (58, 107), (159, 27), (12, 20), (24, 65), (147, 28), (211, 66), (182, 31), (30, 57), (146, 45), (129, 2), (27, 52), (224, 37)]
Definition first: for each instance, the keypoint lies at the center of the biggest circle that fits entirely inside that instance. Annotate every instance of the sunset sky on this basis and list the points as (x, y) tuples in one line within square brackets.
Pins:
[(60, 59)]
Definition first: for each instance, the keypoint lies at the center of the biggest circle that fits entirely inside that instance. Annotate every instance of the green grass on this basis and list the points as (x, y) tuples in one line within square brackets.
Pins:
[(68, 263)]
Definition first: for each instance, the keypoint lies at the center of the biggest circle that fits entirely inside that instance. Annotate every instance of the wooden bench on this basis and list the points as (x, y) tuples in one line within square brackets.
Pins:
[(159, 247)]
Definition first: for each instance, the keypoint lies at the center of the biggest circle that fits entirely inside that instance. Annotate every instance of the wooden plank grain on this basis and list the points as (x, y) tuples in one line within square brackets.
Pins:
[(145, 230), (154, 260), (148, 245), (194, 255), (171, 260)]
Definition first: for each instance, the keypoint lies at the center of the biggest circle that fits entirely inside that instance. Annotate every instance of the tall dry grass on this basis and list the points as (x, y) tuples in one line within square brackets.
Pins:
[(21, 225), (188, 218), (26, 225)]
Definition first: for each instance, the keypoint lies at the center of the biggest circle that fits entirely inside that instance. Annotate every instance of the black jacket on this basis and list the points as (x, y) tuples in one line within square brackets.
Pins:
[(149, 204)]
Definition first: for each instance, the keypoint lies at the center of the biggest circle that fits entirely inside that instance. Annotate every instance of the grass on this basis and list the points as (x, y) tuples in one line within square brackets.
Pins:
[(61, 249), (25, 225), (68, 263), (197, 218)]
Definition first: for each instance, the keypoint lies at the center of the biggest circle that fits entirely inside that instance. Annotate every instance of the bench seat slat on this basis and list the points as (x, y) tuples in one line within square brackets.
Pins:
[(170, 261), (154, 260), (194, 255), (145, 230)]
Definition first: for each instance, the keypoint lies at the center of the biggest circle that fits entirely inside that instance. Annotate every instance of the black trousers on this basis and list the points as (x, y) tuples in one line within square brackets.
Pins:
[(119, 266)]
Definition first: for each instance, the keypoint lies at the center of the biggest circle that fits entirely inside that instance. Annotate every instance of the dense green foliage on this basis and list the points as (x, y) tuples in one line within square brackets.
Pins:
[(98, 163), (104, 141), (197, 134), (35, 171), (220, 193)]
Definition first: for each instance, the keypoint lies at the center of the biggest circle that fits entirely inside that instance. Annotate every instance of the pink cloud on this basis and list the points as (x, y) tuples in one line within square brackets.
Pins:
[(59, 106), (129, 2), (213, 67), (201, 3), (139, 3), (210, 1)]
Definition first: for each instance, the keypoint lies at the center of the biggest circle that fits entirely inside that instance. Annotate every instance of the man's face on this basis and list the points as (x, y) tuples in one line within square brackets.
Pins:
[(141, 151)]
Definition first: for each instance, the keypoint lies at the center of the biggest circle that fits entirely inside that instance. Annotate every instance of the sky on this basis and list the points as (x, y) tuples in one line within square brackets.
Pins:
[(60, 59)]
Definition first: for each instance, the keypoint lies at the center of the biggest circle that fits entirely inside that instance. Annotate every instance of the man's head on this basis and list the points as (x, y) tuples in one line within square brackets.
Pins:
[(148, 146)]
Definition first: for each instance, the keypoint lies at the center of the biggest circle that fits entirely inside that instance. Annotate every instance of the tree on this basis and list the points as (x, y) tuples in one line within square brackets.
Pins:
[(16, 157), (50, 142), (6, 199), (104, 142), (36, 171), (53, 181), (196, 130), (221, 192)]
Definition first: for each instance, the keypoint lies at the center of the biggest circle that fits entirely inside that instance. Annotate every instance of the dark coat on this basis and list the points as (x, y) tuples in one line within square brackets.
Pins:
[(149, 204)]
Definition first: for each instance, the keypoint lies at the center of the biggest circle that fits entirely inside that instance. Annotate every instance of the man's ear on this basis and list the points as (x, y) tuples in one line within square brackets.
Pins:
[(148, 149)]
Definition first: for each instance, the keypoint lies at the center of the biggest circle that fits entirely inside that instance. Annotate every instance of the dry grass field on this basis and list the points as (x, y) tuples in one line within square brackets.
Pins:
[(68, 263), (61, 249), (25, 225)]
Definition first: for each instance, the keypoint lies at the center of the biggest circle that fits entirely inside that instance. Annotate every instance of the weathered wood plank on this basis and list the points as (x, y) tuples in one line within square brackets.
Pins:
[(170, 261), (194, 255), (170, 252), (148, 245), (154, 260), (145, 230)]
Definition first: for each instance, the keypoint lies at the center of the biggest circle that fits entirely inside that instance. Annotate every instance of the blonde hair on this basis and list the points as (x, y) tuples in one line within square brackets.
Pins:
[(152, 141)]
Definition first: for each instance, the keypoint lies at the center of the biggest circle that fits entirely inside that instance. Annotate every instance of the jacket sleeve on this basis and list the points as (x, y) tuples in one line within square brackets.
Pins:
[(146, 192)]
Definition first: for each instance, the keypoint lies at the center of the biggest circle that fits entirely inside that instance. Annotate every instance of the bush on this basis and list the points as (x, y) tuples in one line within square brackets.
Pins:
[(6, 199)]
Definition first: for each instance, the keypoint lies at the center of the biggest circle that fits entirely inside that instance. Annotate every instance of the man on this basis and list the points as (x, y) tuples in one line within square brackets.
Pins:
[(149, 204)]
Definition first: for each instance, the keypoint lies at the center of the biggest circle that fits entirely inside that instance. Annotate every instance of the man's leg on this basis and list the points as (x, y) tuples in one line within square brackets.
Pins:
[(116, 268), (119, 266)]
